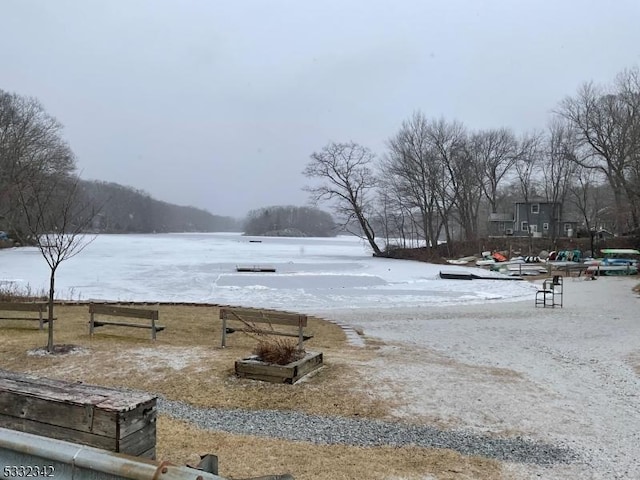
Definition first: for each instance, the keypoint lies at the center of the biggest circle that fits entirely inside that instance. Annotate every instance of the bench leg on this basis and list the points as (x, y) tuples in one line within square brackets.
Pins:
[(224, 333)]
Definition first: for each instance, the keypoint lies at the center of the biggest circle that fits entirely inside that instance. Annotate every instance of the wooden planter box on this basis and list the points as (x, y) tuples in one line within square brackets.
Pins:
[(257, 370), (99, 417)]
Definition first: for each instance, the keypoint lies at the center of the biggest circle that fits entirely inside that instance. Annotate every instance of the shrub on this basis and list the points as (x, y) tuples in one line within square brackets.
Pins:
[(278, 351), (12, 293)]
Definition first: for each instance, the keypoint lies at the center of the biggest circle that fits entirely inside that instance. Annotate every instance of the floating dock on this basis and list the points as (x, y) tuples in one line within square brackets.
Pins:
[(255, 268), (472, 276)]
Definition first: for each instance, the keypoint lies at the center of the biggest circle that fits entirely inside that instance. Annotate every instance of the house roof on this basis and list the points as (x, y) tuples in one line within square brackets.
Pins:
[(501, 217), (536, 200)]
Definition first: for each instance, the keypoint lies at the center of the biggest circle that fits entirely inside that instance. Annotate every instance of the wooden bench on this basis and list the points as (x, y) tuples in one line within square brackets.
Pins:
[(110, 310), (40, 308), (249, 317)]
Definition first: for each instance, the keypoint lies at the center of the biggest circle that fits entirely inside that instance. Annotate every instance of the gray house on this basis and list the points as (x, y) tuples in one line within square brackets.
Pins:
[(538, 217)]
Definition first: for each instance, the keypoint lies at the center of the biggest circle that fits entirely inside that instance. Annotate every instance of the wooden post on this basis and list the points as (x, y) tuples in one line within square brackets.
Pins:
[(91, 325), (40, 318), (224, 331), (300, 335), (154, 317)]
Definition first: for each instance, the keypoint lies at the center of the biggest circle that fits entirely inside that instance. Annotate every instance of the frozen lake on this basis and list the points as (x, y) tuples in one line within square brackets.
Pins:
[(312, 274)]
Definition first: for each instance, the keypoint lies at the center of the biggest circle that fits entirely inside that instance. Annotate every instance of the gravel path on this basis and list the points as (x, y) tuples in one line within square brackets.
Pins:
[(324, 430)]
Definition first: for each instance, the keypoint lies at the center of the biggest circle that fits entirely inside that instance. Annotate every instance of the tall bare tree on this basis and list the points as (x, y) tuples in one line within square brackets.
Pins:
[(462, 188), (607, 122), (412, 166), (347, 179), (560, 164), (528, 169), (31, 147), (495, 152), (584, 193)]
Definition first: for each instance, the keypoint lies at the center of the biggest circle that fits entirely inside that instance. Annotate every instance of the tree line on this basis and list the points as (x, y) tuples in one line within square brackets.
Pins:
[(129, 210), (289, 221), (38, 169), (437, 180)]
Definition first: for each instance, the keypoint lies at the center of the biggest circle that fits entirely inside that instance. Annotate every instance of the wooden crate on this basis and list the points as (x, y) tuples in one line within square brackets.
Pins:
[(100, 417), (290, 373)]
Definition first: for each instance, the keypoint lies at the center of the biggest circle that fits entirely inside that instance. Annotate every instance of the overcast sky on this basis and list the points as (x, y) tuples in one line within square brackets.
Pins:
[(219, 104)]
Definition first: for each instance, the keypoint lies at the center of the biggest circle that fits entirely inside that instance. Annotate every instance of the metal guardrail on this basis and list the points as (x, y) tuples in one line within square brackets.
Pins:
[(27, 455)]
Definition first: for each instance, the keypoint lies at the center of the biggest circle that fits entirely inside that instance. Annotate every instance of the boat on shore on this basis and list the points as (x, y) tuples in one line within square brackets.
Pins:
[(615, 261)]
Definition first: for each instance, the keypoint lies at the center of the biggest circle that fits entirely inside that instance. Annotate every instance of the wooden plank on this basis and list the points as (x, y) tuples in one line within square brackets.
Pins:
[(256, 269), (112, 399), (283, 371), (63, 414), (23, 307), (140, 441), (264, 378), (122, 311), (54, 431), (56, 393), (261, 316), (307, 365), (151, 453), (258, 331), (101, 323), (44, 320), (133, 420)]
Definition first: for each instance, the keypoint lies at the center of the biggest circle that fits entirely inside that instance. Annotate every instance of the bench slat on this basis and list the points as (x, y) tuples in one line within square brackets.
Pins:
[(101, 323), (123, 311), (253, 316), (23, 307), (115, 311), (270, 332), (40, 307), (257, 316), (44, 319)]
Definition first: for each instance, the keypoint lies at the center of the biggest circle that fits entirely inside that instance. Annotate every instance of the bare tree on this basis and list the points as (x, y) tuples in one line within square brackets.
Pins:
[(560, 164), (607, 122), (57, 222), (348, 180), (584, 194), (412, 164), (30, 148), (527, 170), (495, 152), (460, 187)]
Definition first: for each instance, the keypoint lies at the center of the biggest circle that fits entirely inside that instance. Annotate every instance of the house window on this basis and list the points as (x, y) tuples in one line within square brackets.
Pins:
[(524, 226), (545, 226), (567, 227), (533, 228), (535, 208)]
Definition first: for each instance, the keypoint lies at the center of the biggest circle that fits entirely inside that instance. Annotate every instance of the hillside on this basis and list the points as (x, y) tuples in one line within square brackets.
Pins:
[(127, 210)]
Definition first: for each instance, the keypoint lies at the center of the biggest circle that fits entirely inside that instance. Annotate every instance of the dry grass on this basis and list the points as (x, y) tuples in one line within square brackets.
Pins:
[(186, 363), (306, 461)]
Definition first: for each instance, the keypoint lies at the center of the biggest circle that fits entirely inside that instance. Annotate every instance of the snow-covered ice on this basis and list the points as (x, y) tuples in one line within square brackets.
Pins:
[(311, 273)]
